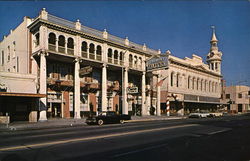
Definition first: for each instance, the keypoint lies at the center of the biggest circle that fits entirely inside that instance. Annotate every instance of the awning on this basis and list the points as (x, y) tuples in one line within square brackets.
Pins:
[(219, 103), (11, 94)]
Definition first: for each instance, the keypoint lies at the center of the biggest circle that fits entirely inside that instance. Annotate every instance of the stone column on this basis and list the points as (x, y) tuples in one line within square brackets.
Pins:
[(124, 91), (77, 90), (104, 87), (143, 96), (158, 90), (57, 44), (43, 88)]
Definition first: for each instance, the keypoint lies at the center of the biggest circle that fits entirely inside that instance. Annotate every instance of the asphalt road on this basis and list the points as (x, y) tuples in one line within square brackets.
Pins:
[(225, 138)]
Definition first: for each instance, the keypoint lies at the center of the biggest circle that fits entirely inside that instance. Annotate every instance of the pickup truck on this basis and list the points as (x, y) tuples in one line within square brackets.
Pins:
[(107, 117)]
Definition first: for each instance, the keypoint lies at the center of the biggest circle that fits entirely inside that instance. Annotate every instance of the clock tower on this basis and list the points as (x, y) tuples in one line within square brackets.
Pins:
[(214, 55)]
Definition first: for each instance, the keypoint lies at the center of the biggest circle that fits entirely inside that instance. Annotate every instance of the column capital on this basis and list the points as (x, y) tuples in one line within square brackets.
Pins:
[(104, 65), (77, 60), (43, 53)]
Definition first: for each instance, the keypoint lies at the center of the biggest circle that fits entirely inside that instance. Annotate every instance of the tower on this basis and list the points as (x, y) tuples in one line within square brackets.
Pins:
[(214, 55)]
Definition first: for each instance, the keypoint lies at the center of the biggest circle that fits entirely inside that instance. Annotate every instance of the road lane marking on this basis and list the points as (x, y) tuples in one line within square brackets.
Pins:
[(140, 150), (114, 127), (219, 131), (93, 137)]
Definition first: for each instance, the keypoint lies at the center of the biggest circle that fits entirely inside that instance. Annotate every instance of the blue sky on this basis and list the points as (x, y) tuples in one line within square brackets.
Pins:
[(179, 26)]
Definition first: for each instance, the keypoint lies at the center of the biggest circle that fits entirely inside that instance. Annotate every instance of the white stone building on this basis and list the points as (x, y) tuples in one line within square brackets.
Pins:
[(50, 55), (192, 84)]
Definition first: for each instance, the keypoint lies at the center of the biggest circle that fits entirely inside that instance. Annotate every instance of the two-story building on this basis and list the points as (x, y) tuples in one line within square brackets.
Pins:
[(191, 84), (79, 69)]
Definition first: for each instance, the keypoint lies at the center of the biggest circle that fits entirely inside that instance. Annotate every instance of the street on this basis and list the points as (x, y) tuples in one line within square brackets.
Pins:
[(224, 138)]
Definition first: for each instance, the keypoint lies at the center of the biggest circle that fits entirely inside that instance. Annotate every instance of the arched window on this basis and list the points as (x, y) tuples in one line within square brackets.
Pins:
[(110, 55), (121, 58), (140, 62), (84, 46), (135, 61), (130, 60), (37, 36), (209, 86), (91, 51), (116, 57), (52, 38), (92, 48), (201, 84), (52, 41), (172, 79), (84, 49), (188, 82), (197, 83), (193, 83), (177, 80), (70, 46), (61, 44), (99, 52)]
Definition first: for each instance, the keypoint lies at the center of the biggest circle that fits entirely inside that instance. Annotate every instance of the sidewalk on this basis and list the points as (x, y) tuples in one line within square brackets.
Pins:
[(64, 123)]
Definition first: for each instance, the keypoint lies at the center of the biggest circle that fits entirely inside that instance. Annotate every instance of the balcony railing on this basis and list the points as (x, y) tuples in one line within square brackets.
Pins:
[(61, 49), (84, 54), (70, 51), (115, 61), (109, 60), (91, 56), (99, 57), (121, 62), (96, 33), (52, 47), (130, 64)]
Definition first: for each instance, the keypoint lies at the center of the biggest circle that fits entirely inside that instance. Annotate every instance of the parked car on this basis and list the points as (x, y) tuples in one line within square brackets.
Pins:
[(107, 117), (216, 114), (199, 115)]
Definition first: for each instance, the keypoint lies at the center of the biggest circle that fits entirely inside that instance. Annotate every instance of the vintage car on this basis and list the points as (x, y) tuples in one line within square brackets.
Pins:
[(199, 115), (216, 114), (107, 117)]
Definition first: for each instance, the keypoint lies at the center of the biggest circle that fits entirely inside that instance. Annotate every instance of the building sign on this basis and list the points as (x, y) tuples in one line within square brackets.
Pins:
[(157, 62), (132, 90), (86, 70)]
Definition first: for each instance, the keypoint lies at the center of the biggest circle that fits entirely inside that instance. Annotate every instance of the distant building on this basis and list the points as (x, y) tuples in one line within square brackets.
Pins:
[(193, 84), (237, 98)]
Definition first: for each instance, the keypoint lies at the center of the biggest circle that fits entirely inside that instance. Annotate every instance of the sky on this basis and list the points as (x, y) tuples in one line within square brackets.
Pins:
[(183, 27)]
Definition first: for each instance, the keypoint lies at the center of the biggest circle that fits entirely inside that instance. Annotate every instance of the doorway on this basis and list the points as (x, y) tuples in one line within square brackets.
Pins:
[(239, 107), (56, 110)]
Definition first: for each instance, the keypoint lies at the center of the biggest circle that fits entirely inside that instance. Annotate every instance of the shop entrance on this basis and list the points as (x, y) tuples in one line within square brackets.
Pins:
[(56, 110)]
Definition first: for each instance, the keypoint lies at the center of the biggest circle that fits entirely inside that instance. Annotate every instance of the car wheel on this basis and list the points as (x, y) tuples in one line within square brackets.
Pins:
[(100, 122), (122, 121)]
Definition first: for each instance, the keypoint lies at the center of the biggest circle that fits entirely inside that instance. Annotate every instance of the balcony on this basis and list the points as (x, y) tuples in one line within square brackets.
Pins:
[(99, 57), (52, 47), (84, 54), (130, 64), (115, 61), (91, 56), (110, 60), (70, 51), (61, 49)]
